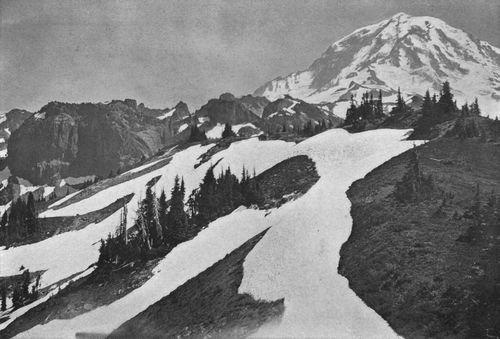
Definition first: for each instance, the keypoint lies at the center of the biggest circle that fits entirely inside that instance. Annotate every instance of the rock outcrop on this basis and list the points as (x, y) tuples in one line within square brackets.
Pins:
[(9, 123), (293, 113), (75, 140), (228, 108)]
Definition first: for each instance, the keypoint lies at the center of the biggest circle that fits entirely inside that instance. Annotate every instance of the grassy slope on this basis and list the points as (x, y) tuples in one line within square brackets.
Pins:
[(206, 306), (100, 288), (405, 261)]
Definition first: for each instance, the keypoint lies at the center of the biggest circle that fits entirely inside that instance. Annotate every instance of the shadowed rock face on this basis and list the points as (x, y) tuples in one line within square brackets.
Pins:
[(64, 140), (13, 119), (232, 110), (294, 112)]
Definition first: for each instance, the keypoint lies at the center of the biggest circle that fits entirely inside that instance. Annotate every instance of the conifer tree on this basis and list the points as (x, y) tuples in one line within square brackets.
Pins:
[(177, 217), (3, 293), (400, 104), (464, 112), (196, 134), (474, 108), (379, 106), (446, 100), (16, 302), (228, 131), (150, 215), (162, 211), (26, 284), (207, 199), (31, 217), (427, 104)]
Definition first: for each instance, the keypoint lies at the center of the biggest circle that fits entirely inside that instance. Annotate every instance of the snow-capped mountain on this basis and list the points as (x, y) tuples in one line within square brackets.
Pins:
[(413, 53)]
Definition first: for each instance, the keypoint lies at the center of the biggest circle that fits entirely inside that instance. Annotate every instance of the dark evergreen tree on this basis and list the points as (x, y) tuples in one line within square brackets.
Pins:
[(149, 211), (228, 131), (474, 108), (25, 285), (196, 135), (427, 104), (446, 100), (465, 112), (207, 199), (180, 229), (31, 216), (3, 293), (16, 301), (162, 211), (400, 107), (379, 106)]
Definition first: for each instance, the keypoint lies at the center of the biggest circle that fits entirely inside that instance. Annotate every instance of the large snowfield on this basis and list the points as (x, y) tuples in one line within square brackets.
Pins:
[(296, 260)]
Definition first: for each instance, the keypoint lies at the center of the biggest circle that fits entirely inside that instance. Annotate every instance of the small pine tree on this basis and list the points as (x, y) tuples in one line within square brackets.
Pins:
[(446, 100), (177, 218), (3, 293), (4, 220), (16, 302), (196, 134), (379, 106), (25, 285), (162, 211), (149, 211), (474, 109), (228, 131), (31, 216), (427, 104)]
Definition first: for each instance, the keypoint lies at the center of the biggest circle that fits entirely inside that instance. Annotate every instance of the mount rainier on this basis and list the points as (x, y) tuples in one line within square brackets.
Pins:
[(412, 53)]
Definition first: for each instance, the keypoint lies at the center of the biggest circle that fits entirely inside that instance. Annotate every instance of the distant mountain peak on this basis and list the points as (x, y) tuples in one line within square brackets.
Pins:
[(414, 53)]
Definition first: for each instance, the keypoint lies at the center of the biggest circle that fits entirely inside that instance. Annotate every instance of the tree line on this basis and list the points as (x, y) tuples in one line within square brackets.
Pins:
[(369, 109), (19, 221), (160, 225), (435, 109), (21, 292)]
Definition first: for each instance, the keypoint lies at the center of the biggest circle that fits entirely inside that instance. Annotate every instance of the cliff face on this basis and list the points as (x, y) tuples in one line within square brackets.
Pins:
[(232, 110), (8, 124), (81, 139)]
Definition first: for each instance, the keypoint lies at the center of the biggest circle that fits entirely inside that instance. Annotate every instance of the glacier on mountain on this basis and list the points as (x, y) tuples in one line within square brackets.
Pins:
[(412, 53)]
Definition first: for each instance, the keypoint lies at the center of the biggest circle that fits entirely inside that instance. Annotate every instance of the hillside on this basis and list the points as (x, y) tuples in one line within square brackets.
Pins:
[(426, 259), (296, 236)]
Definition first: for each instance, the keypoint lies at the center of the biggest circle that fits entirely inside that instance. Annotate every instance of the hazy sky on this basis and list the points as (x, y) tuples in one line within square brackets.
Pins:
[(160, 52)]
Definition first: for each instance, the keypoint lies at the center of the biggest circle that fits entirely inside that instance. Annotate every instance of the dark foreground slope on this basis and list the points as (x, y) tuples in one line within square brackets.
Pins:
[(207, 306), (430, 264)]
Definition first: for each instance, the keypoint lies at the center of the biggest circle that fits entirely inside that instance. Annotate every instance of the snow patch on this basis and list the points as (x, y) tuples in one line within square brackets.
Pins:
[(182, 127), (297, 259), (166, 115), (39, 116), (216, 132), (185, 261)]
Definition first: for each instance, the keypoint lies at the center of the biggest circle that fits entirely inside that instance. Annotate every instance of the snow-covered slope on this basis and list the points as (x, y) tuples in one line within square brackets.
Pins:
[(296, 260), (414, 53)]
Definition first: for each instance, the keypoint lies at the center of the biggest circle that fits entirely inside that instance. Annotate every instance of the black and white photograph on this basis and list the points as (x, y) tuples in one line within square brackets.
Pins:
[(266, 169)]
